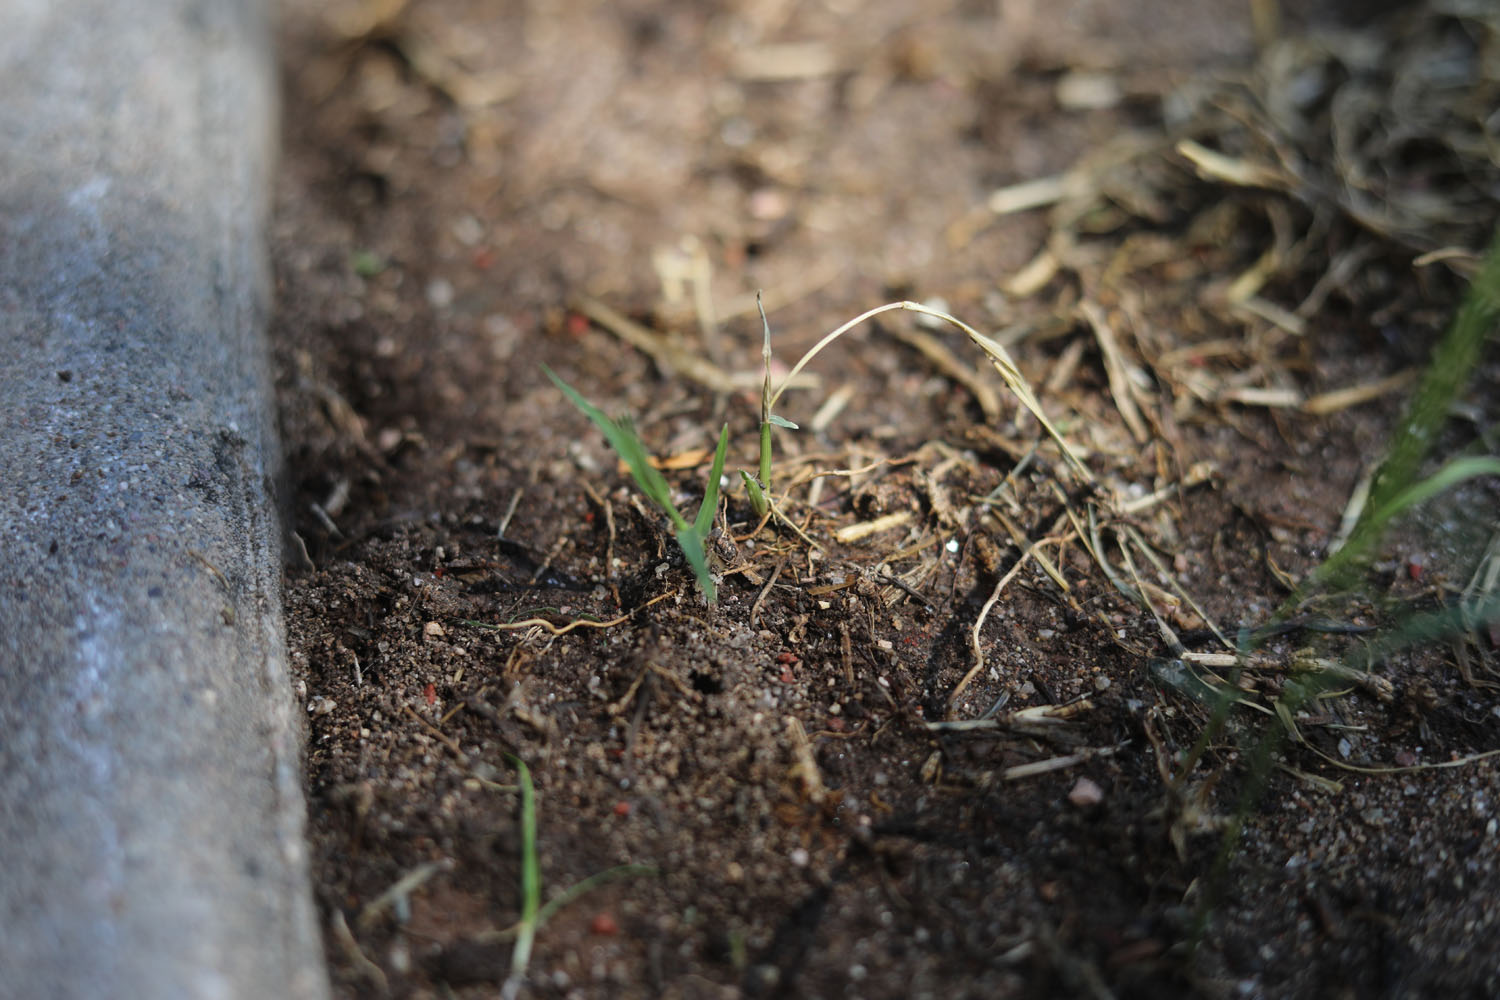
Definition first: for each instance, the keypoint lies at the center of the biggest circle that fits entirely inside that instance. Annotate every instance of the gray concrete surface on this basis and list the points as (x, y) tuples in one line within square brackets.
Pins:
[(151, 820)]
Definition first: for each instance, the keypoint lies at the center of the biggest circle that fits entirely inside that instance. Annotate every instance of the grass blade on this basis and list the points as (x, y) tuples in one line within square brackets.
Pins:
[(531, 883), (1454, 360), (591, 883), (1451, 474), (627, 444), (692, 548), (705, 522), (758, 502)]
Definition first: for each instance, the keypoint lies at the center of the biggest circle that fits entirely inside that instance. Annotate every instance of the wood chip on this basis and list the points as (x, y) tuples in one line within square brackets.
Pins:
[(1241, 173), (1122, 384), (864, 529), (787, 61)]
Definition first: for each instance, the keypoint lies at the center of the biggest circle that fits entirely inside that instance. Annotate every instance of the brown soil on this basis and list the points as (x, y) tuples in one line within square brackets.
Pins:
[(461, 177)]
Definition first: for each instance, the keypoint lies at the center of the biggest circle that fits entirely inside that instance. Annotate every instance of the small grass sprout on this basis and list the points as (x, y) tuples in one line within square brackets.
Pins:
[(758, 489), (691, 536), (533, 912)]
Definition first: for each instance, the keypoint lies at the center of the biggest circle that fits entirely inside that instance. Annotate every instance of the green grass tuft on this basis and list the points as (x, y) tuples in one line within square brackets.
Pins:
[(621, 435)]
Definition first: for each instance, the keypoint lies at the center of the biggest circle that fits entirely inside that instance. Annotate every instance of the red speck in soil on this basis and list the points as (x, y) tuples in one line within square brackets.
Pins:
[(622, 809), (430, 693), (605, 925), (578, 324), (786, 658)]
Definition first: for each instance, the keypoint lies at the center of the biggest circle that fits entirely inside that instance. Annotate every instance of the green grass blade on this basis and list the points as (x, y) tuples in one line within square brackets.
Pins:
[(765, 454), (531, 878), (756, 494), (705, 522), (531, 870), (589, 884), (1451, 474), (692, 548), (1454, 360), (645, 474), (627, 444)]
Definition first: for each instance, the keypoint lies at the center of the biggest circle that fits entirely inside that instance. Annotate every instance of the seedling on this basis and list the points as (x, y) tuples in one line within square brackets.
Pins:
[(758, 489), (621, 435), (533, 913), (691, 537)]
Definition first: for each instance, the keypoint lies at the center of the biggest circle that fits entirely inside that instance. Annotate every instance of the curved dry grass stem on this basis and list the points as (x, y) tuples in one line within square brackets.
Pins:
[(830, 338), (984, 613), (998, 355)]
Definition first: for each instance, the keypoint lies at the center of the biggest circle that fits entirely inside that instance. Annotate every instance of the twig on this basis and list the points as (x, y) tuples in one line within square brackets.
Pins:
[(1146, 550), (510, 511), (906, 588), (1341, 399), (864, 529), (1057, 763), (1461, 762), (807, 763), (438, 734), (755, 608), (669, 355), (354, 954), (402, 888), (1121, 386), (565, 629), (984, 613)]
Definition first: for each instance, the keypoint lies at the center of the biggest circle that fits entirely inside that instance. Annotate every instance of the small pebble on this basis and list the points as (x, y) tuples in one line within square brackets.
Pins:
[(1086, 793), (439, 293), (768, 205), (468, 230)]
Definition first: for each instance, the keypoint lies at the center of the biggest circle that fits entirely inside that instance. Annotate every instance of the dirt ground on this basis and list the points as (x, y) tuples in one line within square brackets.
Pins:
[(472, 189)]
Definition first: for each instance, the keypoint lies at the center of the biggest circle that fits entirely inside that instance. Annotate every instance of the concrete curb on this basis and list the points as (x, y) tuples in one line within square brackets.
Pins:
[(151, 817)]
